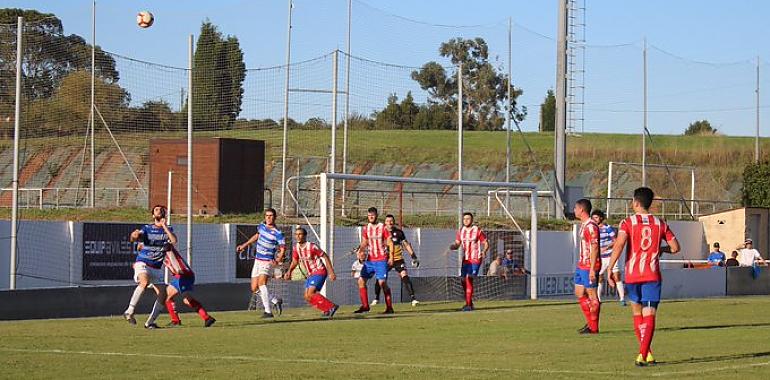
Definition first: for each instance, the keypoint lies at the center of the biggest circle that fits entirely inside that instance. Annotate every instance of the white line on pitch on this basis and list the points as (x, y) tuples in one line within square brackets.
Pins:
[(704, 370), (313, 361)]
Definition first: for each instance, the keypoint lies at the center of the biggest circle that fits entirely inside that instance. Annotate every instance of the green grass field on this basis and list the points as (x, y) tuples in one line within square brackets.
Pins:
[(707, 339)]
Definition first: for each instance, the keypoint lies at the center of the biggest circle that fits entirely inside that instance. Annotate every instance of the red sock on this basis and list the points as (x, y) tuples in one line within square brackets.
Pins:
[(638, 321), (171, 307), (648, 330), (585, 306), (320, 302), (364, 297), (468, 291), (388, 298), (198, 308), (595, 309)]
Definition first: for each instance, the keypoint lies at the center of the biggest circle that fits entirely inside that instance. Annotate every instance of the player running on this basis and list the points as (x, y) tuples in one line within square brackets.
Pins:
[(474, 246), (607, 237), (149, 261), (374, 236), (643, 232), (182, 283), (270, 240), (588, 267), (315, 265), (396, 246)]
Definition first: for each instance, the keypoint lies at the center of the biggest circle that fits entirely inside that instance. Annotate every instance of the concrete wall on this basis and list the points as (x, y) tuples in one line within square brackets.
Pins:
[(746, 281), (730, 228)]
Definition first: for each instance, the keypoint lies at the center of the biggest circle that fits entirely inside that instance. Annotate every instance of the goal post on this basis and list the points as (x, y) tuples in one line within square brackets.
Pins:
[(445, 188)]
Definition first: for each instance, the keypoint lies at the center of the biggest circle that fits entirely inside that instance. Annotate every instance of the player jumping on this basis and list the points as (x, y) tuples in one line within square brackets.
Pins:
[(374, 236), (269, 240), (475, 246), (643, 232), (149, 261), (183, 282), (316, 265), (396, 246), (588, 267), (607, 236)]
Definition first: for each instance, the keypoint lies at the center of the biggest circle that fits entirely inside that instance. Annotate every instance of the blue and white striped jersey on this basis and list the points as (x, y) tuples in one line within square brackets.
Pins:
[(270, 239)]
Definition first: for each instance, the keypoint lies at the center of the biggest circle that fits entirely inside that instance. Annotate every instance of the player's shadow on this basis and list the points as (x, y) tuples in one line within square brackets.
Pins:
[(713, 327), (717, 358)]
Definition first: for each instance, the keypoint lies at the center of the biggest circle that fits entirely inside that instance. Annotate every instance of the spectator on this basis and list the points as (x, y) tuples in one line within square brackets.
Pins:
[(496, 267), (508, 261), (748, 255), (732, 261), (716, 257)]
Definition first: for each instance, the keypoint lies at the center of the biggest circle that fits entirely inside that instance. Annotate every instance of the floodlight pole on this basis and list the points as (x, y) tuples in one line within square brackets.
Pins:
[(560, 148), (16, 130), (190, 94), (508, 109), (284, 147), (644, 123), (460, 143), (347, 107), (333, 160), (756, 140), (92, 197)]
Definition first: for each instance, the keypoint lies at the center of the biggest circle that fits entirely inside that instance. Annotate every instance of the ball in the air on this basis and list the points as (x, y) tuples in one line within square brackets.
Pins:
[(144, 19)]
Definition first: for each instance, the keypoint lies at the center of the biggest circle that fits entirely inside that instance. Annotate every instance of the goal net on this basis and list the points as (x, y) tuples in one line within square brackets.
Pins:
[(429, 212)]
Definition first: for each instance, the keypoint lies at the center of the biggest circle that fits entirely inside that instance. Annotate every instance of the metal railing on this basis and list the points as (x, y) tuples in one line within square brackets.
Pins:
[(72, 197), (666, 207)]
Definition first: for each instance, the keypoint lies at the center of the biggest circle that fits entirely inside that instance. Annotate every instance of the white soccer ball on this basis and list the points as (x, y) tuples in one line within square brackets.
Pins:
[(144, 19)]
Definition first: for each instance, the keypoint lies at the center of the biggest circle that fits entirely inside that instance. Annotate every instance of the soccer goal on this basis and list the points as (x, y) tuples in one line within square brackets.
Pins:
[(429, 211)]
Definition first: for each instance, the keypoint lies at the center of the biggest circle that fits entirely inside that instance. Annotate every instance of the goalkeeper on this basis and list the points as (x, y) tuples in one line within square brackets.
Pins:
[(397, 243)]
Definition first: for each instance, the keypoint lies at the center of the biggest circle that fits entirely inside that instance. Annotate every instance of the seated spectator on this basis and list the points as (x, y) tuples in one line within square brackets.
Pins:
[(732, 261), (496, 267), (716, 257), (748, 255)]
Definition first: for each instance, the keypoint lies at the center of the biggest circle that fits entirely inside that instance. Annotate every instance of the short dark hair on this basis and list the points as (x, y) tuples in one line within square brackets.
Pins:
[(468, 214), (585, 204), (390, 216), (270, 209), (372, 210), (644, 195), (599, 213), (163, 210), (304, 231)]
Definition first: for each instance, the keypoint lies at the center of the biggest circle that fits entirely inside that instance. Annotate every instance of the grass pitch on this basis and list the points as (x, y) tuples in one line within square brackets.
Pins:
[(716, 338)]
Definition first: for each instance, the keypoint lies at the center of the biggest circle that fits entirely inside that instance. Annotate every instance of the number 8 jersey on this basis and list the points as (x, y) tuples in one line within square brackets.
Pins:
[(644, 233)]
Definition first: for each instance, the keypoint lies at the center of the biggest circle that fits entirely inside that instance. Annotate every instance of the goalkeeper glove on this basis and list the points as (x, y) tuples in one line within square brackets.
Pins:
[(416, 262)]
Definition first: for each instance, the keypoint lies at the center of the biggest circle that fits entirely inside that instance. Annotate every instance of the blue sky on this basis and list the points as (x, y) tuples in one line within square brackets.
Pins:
[(700, 61)]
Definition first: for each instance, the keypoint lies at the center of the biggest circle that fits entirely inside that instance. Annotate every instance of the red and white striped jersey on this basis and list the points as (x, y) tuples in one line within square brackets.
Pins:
[(644, 233), (589, 234), (176, 264), (376, 236), (471, 239), (309, 256)]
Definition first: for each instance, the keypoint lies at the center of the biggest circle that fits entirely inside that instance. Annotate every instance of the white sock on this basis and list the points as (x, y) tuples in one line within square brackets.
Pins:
[(265, 298), (599, 291), (134, 300), (621, 290), (156, 309)]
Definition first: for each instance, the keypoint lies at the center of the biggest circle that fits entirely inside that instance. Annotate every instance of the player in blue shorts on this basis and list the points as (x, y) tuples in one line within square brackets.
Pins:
[(374, 237), (315, 266)]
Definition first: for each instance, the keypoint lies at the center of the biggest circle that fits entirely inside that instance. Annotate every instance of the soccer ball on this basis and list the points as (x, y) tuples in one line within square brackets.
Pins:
[(144, 19)]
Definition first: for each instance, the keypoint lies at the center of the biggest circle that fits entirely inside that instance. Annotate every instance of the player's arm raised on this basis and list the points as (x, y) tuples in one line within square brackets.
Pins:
[(135, 236), (171, 236), (249, 242)]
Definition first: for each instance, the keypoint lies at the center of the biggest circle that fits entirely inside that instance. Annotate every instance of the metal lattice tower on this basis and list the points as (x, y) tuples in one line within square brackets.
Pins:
[(576, 46)]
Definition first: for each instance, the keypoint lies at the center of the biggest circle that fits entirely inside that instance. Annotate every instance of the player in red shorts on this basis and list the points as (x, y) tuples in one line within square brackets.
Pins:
[(643, 232), (374, 236), (315, 265), (475, 246), (588, 267), (182, 283)]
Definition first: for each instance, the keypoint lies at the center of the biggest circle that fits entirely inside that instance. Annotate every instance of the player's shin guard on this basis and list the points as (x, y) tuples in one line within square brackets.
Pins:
[(638, 319), (388, 299), (408, 285), (468, 291), (596, 308), (265, 298), (195, 305), (621, 290), (321, 303), (647, 329), (171, 308), (585, 306), (364, 295), (157, 307), (134, 299)]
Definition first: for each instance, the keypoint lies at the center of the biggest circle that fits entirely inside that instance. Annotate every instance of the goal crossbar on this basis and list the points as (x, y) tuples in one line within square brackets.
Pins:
[(326, 238)]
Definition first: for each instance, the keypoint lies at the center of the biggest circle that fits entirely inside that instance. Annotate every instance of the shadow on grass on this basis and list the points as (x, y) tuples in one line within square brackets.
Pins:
[(717, 358), (713, 327)]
